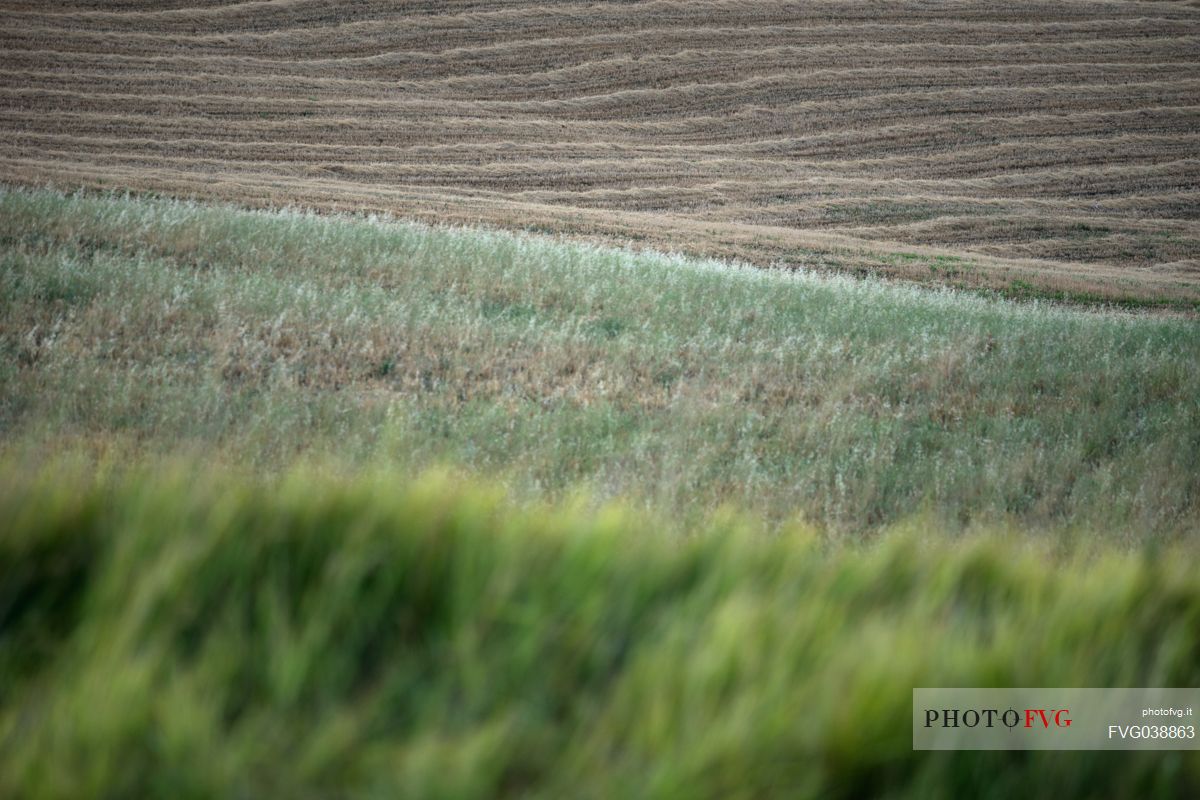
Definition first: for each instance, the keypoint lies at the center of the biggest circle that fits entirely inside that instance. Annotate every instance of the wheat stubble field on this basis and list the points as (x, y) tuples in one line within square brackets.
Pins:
[(1034, 148)]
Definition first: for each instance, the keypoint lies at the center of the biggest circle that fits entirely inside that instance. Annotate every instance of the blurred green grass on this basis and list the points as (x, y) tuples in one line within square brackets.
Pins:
[(182, 631)]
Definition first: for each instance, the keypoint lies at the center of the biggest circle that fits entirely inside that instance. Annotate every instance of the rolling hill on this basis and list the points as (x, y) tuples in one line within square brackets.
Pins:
[(1033, 148)]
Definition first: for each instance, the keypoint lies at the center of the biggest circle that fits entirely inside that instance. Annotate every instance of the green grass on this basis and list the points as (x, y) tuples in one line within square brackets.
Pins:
[(181, 632), (162, 326)]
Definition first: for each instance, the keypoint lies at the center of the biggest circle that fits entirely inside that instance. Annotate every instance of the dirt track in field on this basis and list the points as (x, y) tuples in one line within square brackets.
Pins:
[(1032, 147)]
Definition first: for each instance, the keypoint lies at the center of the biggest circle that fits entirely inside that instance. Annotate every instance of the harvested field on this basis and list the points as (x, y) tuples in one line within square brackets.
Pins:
[(1042, 149)]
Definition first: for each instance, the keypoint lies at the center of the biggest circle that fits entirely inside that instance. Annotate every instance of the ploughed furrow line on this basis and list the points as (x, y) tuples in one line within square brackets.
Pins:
[(751, 131), (1109, 163), (469, 141), (623, 75), (662, 112), (543, 56), (604, 174), (981, 159), (456, 21), (366, 41), (1057, 144)]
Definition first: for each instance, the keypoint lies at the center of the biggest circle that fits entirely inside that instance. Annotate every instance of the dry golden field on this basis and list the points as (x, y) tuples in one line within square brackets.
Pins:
[(1039, 148)]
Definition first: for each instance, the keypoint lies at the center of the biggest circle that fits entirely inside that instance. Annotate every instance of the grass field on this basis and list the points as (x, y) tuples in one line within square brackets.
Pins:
[(495, 399), (1034, 148), (173, 632), (159, 327)]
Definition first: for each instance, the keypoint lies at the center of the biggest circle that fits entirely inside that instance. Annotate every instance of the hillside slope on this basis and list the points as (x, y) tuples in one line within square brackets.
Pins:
[(680, 383), (1034, 147)]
